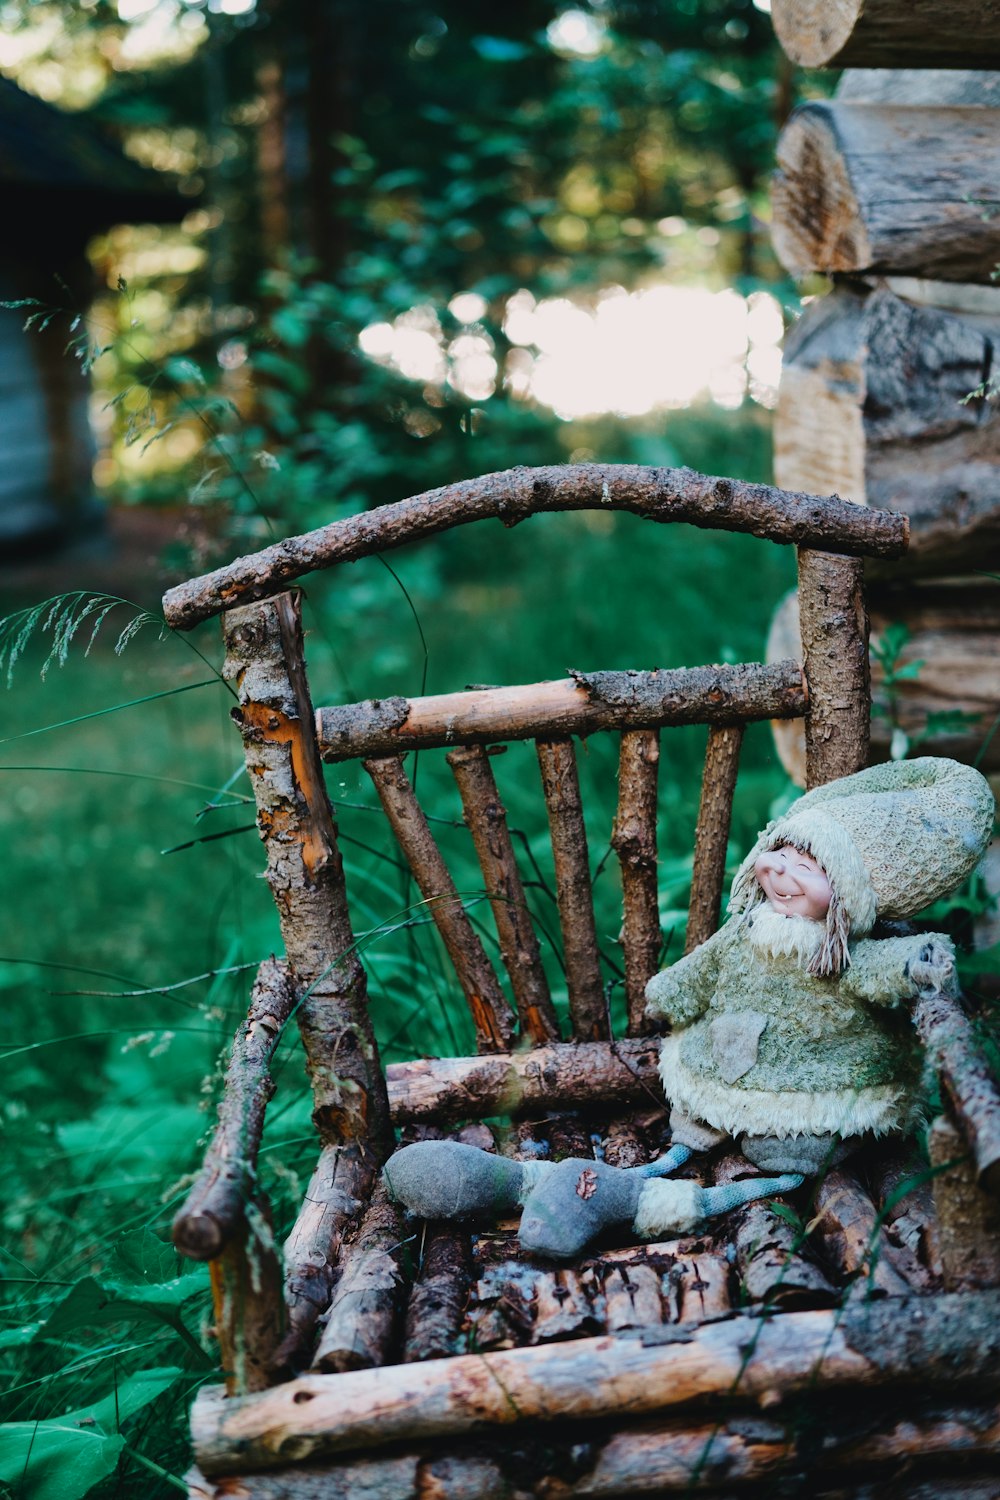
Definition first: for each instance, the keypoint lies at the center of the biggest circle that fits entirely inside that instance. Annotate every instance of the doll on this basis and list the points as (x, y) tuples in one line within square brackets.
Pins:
[(789, 1033)]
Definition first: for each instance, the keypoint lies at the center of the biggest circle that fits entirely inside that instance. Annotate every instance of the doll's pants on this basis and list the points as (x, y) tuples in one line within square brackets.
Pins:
[(808, 1154)]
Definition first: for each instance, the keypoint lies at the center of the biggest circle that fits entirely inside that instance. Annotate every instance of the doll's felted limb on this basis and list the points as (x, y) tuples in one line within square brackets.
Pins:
[(885, 971), (683, 992), (449, 1180), (580, 1199)]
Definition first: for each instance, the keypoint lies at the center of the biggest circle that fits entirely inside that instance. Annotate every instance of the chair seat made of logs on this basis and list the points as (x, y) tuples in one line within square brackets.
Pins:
[(378, 1358)]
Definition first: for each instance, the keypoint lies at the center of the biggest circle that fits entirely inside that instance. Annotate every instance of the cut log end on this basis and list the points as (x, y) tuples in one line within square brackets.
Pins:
[(814, 32), (817, 219)]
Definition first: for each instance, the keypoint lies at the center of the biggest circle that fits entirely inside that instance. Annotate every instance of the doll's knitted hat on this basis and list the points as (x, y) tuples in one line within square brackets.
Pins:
[(891, 838)]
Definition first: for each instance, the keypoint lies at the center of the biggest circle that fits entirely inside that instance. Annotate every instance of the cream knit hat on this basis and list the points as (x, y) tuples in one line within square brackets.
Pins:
[(892, 838)]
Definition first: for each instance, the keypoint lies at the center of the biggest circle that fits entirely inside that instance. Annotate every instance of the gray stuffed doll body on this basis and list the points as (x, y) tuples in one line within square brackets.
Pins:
[(789, 1028)]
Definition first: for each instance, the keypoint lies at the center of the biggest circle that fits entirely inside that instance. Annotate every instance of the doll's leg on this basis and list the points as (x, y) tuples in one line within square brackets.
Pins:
[(688, 1136), (449, 1180), (719, 1200)]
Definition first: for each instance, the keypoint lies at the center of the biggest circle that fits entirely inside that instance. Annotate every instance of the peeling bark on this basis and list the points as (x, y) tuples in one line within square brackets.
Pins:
[(580, 705), (848, 1228), (658, 494), (213, 1210), (305, 873)]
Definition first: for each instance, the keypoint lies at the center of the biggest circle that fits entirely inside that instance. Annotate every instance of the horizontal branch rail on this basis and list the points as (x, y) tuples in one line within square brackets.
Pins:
[(662, 495), (581, 705), (921, 1343), (561, 1076)]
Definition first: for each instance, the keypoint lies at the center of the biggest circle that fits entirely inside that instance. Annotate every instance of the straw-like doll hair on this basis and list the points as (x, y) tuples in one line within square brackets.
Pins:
[(833, 955)]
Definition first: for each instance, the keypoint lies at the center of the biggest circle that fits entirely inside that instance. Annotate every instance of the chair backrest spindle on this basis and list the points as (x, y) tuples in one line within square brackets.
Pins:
[(561, 785), (715, 810), (488, 1005), (633, 839), (486, 819)]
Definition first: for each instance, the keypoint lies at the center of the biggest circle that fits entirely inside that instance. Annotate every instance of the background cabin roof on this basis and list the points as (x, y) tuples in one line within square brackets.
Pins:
[(61, 170)]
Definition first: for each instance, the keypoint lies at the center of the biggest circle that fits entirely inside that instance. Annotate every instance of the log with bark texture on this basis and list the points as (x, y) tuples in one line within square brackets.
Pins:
[(561, 785), (512, 496), (700, 1285), (771, 1266), (633, 838), (439, 1295), (632, 1298), (333, 1200), (968, 1218), (715, 811), (905, 1196), (873, 402), (834, 628), (365, 1312), (652, 1458), (950, 650), (213, 1209), (247, 1303), (959, 1061), (924, 1343), (888, 188), (488, 1005), (568, 1304), (847, 1227), (486, 819), (888, 33), (919, 86), (581, 704), (305, 872), (770, 1256), (562, 1076)]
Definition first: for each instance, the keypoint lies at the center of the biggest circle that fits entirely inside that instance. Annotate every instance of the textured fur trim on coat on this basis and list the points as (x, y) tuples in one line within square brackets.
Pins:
[(878, 1108)]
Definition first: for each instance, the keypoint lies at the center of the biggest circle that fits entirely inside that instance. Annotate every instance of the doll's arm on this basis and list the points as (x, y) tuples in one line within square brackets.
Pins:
[(885, 971), (683, 992)]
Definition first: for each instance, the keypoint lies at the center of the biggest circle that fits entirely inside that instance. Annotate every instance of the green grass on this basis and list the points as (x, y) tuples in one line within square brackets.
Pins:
[(109, 1095)]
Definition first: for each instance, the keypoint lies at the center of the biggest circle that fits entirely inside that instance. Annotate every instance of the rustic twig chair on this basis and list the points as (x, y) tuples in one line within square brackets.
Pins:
[(464, 1370)]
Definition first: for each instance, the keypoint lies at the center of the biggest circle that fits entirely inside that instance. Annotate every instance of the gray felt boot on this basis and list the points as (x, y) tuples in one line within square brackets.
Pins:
[(574, 1202), (447, 1180)]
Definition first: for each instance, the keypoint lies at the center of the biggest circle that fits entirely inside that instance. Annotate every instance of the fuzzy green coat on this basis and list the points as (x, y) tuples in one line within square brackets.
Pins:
[(762, 1046)]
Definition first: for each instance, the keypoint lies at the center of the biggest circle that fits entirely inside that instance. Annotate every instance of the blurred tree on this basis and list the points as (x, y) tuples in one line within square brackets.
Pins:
[(400, 164)]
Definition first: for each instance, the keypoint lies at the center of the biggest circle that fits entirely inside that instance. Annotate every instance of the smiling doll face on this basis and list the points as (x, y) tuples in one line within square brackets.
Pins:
[(794, 884)]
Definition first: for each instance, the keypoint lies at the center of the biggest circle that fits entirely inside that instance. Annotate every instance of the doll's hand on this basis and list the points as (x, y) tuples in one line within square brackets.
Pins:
[(933, 969)]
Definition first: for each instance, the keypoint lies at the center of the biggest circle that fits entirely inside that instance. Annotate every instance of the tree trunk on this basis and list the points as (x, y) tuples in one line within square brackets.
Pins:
[(879, 188)]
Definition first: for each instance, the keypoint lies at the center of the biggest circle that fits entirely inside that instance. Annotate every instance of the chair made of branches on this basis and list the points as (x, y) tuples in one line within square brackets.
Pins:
[(357, 1365)]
